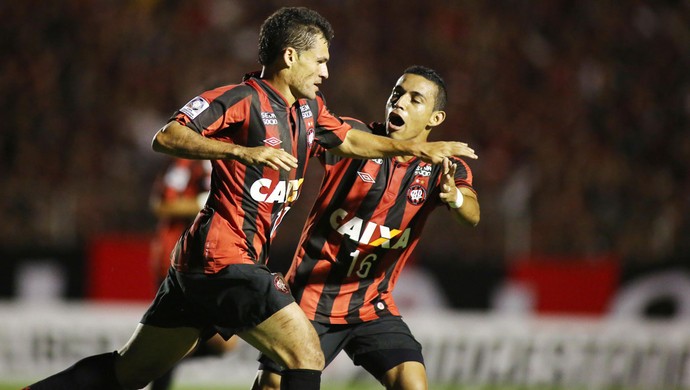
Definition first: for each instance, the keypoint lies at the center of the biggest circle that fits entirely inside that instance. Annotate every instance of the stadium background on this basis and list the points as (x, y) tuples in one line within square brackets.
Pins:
[(579, 111)]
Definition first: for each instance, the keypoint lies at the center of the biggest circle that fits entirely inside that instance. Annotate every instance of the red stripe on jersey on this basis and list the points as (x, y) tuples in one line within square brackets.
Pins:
[(317, 280)]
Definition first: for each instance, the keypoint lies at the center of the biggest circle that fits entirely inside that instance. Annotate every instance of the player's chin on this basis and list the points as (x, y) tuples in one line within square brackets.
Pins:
[(308, 95), (394, 130)]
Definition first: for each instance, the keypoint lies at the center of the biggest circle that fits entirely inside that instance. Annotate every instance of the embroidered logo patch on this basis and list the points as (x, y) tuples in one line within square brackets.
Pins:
[(366, 177), (195, 107), (423, 170), (310, 137), (280, 284), (416, 194), (269, 118), (273, 141)]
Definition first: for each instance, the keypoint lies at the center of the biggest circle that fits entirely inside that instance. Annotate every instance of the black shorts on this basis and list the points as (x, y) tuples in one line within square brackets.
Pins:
[(237, 298), (377, 345)]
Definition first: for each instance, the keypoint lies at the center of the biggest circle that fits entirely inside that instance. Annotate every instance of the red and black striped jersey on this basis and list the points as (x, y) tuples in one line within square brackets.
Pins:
[(363, 227), (247, 203), (182, 179)]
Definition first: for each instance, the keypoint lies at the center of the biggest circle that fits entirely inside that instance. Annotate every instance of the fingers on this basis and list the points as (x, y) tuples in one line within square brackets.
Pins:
[(279, 159), (466, 151)]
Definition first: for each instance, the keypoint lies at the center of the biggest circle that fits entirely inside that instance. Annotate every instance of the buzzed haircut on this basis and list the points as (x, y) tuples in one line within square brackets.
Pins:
[(434, 77), (296, 27)]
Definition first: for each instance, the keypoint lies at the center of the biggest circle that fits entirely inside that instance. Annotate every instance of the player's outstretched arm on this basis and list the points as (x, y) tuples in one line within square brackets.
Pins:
[(462, 201), (359, 144), (181, 141)]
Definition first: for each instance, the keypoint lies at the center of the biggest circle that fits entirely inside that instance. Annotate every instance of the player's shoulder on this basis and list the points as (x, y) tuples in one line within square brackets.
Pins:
[(242, 89), (357, 124), (462, 169), (228, 95)]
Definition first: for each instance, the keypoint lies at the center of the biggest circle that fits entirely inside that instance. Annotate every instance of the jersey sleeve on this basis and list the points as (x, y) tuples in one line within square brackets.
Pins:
[(215, 110), (330, 158), (330, 130), (463, 174)]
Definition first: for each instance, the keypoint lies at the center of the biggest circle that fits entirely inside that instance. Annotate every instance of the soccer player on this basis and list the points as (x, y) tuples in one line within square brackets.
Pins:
[(259, 135), (363, 227), (179, 192)]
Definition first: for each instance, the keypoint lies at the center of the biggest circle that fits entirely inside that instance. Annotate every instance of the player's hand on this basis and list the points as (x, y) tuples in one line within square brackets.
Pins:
[(270, 157), (448, 192), (435, 152)]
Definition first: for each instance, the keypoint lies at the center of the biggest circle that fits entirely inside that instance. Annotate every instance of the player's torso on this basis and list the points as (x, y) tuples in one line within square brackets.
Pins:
[(248, 202), (366, 222)]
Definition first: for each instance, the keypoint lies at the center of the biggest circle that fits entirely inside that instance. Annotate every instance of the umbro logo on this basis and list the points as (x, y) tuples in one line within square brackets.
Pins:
[(366, 177), (273, 141)]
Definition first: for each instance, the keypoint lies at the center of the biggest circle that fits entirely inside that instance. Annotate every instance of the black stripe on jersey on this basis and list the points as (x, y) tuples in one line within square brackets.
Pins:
[(285, 133), (256, 133), (304, 151), (301, 277)]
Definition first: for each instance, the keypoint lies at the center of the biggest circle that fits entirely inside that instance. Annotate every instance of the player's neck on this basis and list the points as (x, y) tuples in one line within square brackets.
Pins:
[(278, 82), (420, 138)]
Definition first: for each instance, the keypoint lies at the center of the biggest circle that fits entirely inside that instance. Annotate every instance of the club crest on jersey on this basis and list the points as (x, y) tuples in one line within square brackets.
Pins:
[(377, 161), (195, 107), (269, 118), (279, 283), (273, 141), (423, 170), (367, 178), (310, 136), (416, 194)]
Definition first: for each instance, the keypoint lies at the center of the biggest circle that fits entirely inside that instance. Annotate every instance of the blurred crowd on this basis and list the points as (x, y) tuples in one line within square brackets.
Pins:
[(579, 112)]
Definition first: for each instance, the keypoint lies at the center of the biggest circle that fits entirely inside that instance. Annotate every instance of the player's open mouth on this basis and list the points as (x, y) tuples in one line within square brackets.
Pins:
[(395, 120)]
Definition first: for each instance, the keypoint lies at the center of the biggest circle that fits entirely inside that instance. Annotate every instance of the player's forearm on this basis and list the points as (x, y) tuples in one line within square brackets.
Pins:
[(359, 144), (468, 213), (180, 141)]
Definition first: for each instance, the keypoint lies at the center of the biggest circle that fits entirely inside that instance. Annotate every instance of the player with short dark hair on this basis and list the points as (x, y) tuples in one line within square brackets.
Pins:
[(362, 229), (259, 135)]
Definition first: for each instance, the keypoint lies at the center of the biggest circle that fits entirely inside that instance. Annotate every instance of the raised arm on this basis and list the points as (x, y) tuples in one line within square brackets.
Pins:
[(462, 201), (181, 141), (359, 144)]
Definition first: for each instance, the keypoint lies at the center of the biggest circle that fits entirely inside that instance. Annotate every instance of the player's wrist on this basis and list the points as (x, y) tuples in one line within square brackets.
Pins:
[(459, 199)]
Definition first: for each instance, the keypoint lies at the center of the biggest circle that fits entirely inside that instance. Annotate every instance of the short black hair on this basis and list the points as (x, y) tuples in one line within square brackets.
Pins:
[(434, 77), (296, 27)]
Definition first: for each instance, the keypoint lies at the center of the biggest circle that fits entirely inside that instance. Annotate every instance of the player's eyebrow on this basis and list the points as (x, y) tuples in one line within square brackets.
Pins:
[(415, 94)]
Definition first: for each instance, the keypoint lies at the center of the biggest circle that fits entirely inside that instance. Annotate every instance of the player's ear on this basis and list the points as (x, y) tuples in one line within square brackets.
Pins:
[(290, 56), (437, 117)]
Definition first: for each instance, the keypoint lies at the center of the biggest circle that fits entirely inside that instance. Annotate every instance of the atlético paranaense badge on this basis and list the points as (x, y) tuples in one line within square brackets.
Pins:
[(416, 194), (279, 283)]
